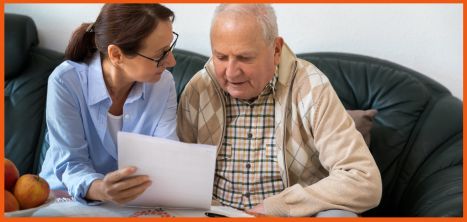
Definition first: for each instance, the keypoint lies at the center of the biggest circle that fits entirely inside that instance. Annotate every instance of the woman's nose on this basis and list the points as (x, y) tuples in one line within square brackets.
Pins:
[(170, 60)]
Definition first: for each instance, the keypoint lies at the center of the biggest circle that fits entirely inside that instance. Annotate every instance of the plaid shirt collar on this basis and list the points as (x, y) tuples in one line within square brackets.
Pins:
[(268, 89)]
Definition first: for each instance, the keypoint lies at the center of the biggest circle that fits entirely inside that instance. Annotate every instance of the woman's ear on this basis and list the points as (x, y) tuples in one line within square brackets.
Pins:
[(278, 43), (115, 54)]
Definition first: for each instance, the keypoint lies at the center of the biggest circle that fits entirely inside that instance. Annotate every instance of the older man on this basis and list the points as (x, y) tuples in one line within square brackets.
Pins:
[(286, 146)]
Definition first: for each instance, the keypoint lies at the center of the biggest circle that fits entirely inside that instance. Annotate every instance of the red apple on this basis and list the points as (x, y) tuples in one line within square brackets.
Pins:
[(11, 174), (11, 204), (31, 191)]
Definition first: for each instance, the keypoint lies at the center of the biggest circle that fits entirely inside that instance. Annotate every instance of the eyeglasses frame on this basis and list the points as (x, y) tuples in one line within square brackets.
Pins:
[(164, 54)]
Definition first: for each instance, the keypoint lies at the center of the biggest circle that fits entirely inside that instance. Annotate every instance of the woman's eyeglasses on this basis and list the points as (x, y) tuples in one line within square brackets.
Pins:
[(164, 54)]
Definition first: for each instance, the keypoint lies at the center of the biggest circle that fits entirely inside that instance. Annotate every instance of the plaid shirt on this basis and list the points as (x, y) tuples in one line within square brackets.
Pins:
[(247, 171)]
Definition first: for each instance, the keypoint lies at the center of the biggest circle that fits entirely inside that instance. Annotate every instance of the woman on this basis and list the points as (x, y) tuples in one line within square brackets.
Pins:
[(114, 79)]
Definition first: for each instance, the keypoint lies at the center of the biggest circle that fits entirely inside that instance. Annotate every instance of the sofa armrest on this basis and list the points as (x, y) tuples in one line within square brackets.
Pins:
[(438, 194)]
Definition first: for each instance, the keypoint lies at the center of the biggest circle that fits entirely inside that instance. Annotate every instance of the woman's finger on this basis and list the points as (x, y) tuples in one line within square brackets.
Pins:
[(118, 175), (129, 183), (132, 193)]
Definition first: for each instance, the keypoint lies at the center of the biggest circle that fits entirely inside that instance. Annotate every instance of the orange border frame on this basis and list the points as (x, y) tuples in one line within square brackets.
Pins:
[(2, 116)]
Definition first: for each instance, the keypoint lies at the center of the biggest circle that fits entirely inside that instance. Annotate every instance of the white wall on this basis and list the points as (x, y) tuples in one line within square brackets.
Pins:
[(424, 37)]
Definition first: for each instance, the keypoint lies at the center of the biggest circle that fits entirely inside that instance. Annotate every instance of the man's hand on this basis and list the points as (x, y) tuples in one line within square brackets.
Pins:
[(118, 186), (257, 211)]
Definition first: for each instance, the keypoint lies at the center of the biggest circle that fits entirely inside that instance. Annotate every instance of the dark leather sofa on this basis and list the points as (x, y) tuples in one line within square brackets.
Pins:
[(27, 68), (416, 139)]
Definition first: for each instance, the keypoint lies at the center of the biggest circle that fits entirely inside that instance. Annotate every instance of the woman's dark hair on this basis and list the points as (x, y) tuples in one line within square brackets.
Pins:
[(123, 25)]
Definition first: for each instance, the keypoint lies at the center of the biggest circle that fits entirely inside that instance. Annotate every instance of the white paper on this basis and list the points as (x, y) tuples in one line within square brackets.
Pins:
[(182, 174), (229, 211)]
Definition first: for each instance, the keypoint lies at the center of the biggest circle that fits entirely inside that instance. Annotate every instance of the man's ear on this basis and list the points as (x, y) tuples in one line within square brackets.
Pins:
[(115, 54), (278, 43)]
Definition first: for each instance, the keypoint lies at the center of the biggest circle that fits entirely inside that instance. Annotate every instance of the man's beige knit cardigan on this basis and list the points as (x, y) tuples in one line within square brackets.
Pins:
[(324, 161)]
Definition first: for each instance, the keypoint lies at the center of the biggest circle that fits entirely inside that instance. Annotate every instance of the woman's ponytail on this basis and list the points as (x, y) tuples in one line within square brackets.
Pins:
[(82, 44)]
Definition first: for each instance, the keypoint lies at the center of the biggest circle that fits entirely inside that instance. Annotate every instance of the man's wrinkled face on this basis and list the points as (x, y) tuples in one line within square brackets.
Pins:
[(244, 62)]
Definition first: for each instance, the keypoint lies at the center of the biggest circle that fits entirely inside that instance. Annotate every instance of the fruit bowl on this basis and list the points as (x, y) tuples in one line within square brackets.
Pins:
[(30, 211)]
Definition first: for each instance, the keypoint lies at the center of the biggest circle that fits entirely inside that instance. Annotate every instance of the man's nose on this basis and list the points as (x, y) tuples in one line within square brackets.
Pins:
[(232, 69)]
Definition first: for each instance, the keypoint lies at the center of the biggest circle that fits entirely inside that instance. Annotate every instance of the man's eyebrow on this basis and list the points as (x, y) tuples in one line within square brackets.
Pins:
[(216, 52), (245, 53)]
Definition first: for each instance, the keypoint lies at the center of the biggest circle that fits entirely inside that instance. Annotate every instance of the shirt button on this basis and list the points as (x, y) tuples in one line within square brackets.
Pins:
[(248, 165), (127, 116), (250, 135)]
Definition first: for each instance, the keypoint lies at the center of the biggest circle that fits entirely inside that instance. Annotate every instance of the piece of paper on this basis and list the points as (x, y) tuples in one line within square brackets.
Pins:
[(229, 211), (182, 174)]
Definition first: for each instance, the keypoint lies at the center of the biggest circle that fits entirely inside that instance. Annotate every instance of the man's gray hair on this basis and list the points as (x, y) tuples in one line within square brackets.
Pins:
[(264, 14)]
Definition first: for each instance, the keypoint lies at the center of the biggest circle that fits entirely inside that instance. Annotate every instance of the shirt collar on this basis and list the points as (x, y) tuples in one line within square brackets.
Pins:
[(271, 86), (137, 92), (268, 89), (97, 90), (96, 85)]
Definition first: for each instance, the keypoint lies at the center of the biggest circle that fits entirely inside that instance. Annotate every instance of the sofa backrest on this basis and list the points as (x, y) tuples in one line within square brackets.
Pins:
[(27, 68), (188, 63), (405, 140), (21, 36)]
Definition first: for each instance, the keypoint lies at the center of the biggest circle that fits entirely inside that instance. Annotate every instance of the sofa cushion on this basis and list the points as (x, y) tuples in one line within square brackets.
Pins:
[(363, 122), (24, 107)]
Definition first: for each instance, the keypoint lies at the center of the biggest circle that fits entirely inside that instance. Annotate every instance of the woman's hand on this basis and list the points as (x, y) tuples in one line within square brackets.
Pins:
[(118, 186)]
